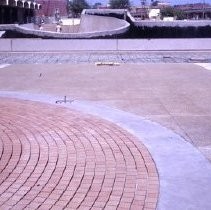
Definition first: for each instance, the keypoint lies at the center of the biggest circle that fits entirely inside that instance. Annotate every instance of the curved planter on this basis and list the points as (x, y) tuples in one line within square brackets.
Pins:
[(86, 30)]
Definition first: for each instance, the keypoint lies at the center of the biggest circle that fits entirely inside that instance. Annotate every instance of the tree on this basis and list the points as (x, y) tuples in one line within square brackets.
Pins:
[(179, 14), (173, 12), (119, 4), (143, 2), (154, 3), (75, 7), (97, 5)]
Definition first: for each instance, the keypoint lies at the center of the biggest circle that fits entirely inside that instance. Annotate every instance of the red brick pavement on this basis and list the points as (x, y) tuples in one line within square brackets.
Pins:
[(56, 158)]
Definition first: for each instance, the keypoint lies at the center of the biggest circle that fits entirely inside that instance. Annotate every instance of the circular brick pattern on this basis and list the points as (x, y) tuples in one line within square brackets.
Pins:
[(56, 158)]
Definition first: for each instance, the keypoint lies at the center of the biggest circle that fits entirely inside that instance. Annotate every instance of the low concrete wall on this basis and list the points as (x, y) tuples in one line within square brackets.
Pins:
[(164, 44), (49, 45), (175, 23), (91, 26), (62, 45), (5, 45)]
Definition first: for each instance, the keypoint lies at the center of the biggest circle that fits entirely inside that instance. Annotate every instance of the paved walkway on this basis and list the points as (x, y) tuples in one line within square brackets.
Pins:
[(56, 158)]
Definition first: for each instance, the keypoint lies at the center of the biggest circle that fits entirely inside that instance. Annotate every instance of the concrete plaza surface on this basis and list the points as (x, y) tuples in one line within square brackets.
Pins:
[(176, 96)]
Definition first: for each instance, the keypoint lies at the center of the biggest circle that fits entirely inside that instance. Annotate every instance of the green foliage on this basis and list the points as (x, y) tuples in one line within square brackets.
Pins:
[(172, 12), (97, 5), (143, 2), (76, 6), (154, 3), (180, 15), (167, 12), (119, 4)]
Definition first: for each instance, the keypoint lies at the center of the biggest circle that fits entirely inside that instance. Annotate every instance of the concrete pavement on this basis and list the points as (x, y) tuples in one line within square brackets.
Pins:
[(176, 96)]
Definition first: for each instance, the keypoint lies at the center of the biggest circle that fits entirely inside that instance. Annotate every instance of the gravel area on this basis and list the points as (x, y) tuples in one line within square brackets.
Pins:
[(120, 57)]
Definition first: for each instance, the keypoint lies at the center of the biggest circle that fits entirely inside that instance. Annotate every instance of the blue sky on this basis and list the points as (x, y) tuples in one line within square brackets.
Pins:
[(188, 1), (173, 2)]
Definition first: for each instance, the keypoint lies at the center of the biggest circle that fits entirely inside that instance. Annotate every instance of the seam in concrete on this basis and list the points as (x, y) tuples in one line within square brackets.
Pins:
[(185, 174), (11, 45)]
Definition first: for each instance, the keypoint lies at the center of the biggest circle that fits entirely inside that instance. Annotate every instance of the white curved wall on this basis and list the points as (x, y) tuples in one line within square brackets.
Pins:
[(94, 23), (91, 26)]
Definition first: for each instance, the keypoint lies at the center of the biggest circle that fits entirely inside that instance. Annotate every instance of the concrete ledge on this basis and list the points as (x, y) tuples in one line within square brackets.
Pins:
[(49, 45), (36, 45), (175, 23), (5, 45), (164, 44)]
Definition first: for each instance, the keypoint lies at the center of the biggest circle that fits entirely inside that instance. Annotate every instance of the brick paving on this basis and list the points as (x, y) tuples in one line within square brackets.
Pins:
[(56, 158)]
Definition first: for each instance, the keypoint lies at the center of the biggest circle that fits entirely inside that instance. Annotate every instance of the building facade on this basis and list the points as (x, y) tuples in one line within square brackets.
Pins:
[(50, 7), (17, 11), (196, 11)]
